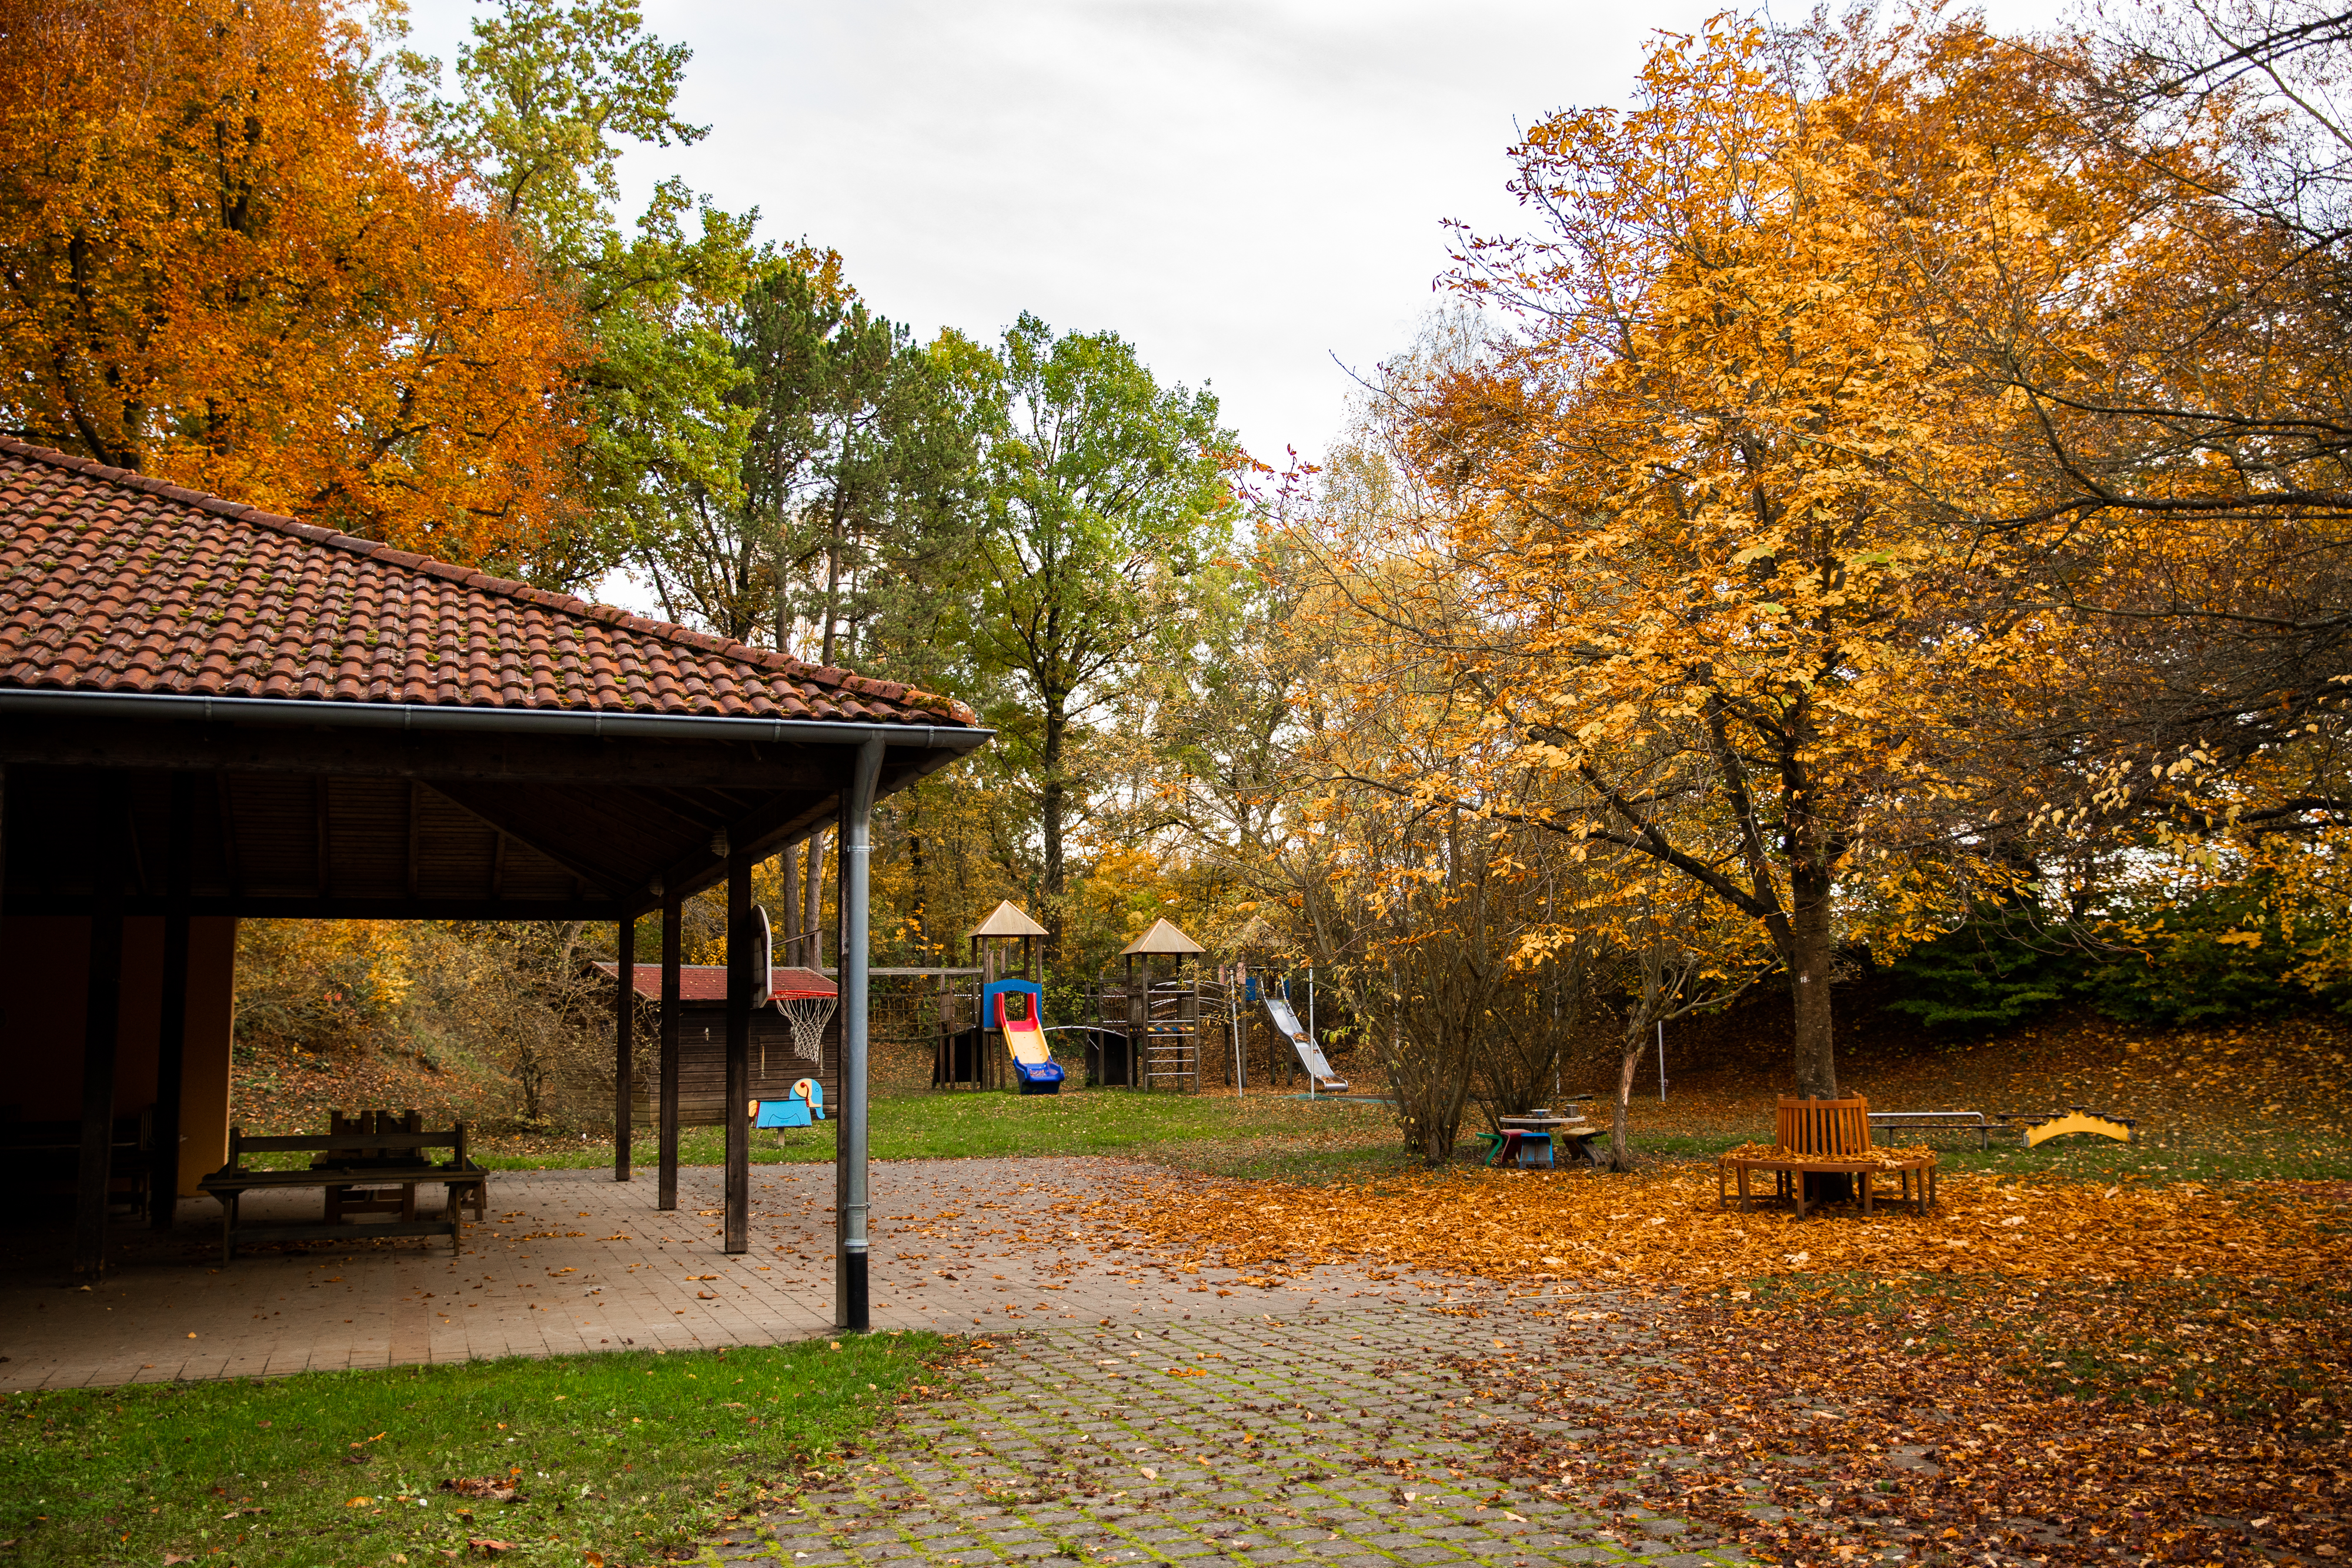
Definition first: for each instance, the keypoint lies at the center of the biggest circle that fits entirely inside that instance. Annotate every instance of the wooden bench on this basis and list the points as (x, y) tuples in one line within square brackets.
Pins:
[(46, 1156), (364, 1166), (1824, 1137), (1934, 1121)]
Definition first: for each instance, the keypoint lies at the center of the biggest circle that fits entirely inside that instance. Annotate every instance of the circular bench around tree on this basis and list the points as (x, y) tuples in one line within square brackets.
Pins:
[(1828, 1138)]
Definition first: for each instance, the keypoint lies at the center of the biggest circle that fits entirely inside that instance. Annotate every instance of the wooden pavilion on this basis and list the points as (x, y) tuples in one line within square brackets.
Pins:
[(209, 712)]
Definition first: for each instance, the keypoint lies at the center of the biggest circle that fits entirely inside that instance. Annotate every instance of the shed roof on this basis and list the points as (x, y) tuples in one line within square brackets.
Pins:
[(1163, 937), (1007, 920), (115, 581), (707, 982)]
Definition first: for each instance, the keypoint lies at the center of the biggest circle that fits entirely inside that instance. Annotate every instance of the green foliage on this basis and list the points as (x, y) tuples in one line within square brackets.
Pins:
[(544, 93), (2224, 954), (625, 1453), (2229, 952), (1995, 970), (1105, 496)]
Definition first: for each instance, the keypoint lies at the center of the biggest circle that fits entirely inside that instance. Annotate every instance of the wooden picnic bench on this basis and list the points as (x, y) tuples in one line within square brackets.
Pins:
[(1824, 1137), (372, 1164)]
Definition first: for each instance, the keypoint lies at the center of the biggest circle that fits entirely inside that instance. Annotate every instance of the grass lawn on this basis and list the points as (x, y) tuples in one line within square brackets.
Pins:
[(622, 1454), (1265, 1128)]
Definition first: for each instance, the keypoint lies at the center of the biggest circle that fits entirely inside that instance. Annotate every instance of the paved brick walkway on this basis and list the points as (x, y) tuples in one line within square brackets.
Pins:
[(571, 1261), (1318, 1437)]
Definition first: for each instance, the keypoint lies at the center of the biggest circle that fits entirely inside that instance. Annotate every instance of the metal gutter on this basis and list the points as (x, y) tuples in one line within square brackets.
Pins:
[(423, 717)]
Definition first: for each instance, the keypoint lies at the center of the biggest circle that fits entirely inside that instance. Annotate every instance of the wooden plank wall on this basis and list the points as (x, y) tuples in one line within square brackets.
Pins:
[(702, 1063)]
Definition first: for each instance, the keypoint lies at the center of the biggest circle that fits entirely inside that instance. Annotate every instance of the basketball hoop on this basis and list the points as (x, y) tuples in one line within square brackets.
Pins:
[(807, 1012)]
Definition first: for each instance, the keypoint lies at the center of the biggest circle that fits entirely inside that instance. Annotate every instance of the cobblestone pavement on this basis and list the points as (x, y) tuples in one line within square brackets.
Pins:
[(1306, 1439), (573, 1261)]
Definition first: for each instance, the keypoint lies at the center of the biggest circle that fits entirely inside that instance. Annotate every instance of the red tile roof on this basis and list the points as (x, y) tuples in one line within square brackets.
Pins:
[(112, 581), (707, 982)]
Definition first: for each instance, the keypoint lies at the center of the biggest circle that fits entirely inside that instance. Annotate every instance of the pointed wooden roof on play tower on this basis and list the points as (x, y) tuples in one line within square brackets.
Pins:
[(1163, 937), (1005, 920)]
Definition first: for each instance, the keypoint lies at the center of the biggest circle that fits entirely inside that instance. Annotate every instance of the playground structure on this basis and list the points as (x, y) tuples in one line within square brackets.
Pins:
[(1003, 948), (1163, 1021), (1015, 1009), (1147, 1033)]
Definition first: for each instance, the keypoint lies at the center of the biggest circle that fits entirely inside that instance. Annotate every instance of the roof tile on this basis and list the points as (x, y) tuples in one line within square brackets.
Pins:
[(115, 581)]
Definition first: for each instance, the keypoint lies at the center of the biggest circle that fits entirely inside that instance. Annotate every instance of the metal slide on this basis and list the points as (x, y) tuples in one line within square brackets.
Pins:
[(1310, 1055)]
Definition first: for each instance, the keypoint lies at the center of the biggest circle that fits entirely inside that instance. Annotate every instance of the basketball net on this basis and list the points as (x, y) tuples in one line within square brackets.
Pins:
[(808, 1014)]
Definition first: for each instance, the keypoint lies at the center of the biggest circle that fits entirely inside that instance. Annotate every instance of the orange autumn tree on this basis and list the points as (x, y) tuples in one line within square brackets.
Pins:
[(220, 264), (1715, 496)]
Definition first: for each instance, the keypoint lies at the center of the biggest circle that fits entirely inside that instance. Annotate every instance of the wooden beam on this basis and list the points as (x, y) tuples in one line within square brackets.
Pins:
[(499, 865), (415, 815), (740, 972), (171, 1039), (489, 810), (228, 835), (296, 906), (625, 1020), (673, 944), (490, 757), (325, 879), (101, 1029)]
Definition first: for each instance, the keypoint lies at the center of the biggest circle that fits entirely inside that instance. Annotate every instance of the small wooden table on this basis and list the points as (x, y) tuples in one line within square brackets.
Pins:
[(1574, 1131)]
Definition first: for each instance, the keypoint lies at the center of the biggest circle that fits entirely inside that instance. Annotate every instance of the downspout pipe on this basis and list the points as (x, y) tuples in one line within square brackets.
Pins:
[(851, 1203)]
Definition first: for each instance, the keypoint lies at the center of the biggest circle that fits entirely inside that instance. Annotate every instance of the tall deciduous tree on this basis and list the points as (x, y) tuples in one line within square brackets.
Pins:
[(1105, 493), (220, 263), (1712, 509)]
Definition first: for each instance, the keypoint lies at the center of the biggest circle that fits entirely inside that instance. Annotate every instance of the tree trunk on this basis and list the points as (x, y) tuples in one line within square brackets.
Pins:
[(812, 906), (916, 916), (1620, 1152), (1051, 800), (792, 902), (1811, 950)]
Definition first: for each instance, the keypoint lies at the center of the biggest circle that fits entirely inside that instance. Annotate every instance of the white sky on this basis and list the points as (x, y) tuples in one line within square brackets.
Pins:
[(1248, 192)]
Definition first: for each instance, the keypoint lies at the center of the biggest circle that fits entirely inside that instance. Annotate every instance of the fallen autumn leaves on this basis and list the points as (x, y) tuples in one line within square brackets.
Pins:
[(1531, 1227), (2036, 1372)]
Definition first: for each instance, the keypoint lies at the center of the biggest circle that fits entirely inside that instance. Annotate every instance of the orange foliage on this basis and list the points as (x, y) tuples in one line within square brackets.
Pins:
[(224, 266)]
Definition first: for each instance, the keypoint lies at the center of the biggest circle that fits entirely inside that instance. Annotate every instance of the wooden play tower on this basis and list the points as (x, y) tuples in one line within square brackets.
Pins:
[(1163, 1017)]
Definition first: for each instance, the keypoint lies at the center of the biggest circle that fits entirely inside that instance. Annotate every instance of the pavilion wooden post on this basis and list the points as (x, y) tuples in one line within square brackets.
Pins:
[(741, 975), (101, 1026), (171, 1042), (624, 1018), (665, 1195)]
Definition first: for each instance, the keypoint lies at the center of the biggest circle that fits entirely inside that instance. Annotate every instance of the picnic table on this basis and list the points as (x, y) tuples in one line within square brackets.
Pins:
[(1574, 1131), (372, 1164)]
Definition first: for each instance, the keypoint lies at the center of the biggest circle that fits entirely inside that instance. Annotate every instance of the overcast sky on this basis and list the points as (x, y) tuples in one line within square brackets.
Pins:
[(1252, 193)]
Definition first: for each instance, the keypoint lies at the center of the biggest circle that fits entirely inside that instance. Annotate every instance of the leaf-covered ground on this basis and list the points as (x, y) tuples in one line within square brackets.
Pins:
[(2036, 1371), (1966, 1419), (1668, 1227)]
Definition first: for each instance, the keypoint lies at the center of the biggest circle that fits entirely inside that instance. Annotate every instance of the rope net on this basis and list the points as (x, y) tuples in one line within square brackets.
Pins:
[(807, 1014)]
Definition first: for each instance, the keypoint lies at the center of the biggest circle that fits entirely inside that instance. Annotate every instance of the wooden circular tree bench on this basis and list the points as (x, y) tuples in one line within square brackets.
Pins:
[(1824, 1137)]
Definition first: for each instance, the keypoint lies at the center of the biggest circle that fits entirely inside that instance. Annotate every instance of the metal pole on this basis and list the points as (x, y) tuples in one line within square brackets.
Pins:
[(851, 1201), (1662, 1062)]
